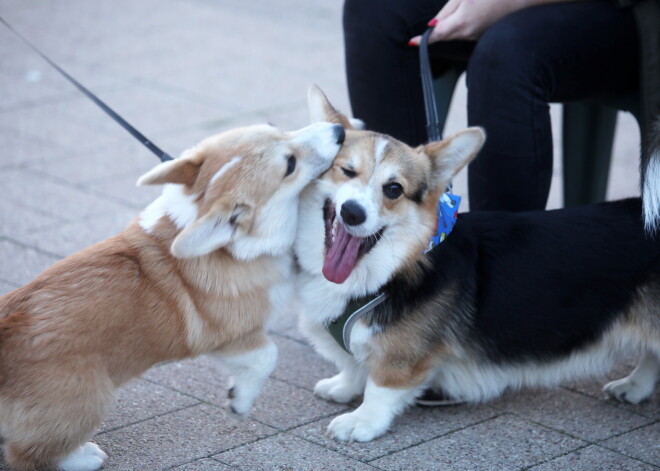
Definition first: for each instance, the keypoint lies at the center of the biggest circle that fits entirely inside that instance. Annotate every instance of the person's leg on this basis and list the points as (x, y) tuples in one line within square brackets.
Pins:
[(552, 53), (382, 70)]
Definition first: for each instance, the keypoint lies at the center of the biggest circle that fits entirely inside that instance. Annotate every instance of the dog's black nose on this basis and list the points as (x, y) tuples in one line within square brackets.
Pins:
[(352, 213), (340, 134)]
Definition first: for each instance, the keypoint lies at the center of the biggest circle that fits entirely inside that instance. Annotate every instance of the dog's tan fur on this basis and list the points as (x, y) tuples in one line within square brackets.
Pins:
[(104, 315)]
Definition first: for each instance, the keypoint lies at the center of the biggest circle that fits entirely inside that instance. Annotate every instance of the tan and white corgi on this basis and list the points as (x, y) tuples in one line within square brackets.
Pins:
[(199, 271), (506, 301)]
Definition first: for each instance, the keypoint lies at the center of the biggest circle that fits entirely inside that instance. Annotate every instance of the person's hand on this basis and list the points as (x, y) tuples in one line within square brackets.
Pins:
[(468, 19)]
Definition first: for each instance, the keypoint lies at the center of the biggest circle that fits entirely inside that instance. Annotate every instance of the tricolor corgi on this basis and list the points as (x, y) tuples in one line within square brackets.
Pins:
[(508, 300), (199, 271)]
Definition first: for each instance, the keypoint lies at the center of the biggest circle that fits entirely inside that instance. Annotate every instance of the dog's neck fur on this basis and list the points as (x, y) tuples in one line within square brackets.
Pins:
[(218, 272)]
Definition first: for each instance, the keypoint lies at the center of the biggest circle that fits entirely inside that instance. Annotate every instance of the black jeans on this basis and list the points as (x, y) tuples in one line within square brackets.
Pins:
[(551, 53)]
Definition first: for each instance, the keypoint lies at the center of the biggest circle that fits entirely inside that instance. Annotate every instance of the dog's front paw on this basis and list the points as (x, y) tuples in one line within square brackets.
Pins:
[(88, 457), (239, 402), (336, 389), (629, 390), (354, 427)]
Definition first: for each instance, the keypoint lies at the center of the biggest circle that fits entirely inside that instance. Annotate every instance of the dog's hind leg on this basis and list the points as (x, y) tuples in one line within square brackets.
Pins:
[(249, 370), (49, 424), (640, 384)]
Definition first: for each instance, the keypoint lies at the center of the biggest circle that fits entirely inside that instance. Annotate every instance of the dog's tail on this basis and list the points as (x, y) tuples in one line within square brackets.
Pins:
[(650, 170)]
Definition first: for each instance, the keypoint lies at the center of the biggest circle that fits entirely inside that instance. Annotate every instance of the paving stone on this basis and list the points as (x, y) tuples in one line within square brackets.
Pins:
[(286, 453), (124, 189), (505, 442), (16, 220), (583, 417), (21, 264), (594, 457), (594, 387), (67, 238), (139, 400), (643, 444), (19, 150), (203, 465), (6, 287), (177, 438), (299, 364), (50, 122), (277, 401), (415, 426), (60, 200)]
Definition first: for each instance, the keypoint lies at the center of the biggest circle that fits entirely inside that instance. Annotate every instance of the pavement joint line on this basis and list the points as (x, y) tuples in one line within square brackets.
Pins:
[(32, 247), (576, 437), (601, 443), (441, 435), (612, 402), (119, 427)]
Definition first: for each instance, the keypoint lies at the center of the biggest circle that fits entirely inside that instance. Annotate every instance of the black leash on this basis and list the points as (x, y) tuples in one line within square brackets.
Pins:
[(162, 155), (433, 130)]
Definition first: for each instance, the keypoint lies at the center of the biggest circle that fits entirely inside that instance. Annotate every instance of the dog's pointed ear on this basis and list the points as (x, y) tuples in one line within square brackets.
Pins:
[(223, 223), (183, 170), (320, 109), (450, 155)]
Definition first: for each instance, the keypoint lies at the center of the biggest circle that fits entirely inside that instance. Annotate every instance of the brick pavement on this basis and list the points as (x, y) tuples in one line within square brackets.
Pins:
[(181, 70)]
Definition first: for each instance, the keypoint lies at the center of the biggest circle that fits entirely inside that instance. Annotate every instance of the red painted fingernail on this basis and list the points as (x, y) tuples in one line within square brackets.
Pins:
[(412, 43), (433, 22)]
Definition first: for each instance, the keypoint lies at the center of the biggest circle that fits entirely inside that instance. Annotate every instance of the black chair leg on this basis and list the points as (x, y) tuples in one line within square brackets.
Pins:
[(588, 134)]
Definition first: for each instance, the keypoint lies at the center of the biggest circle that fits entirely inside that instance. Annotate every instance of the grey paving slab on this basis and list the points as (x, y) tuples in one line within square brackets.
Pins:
[(124, 189), (594, 387), (299, 364), (596, 458), (206, 380), (25, 91), (203, 465), (505, 442), (284, 453), (51, 197), (572, 413), (202, 376), (20, 264), (6, 287), (105, 163), (178, 438), (140, 400), (16, 150), (278, 399), (66, 238), (50, 122), (16, 219), (643, 444), (415, 426)]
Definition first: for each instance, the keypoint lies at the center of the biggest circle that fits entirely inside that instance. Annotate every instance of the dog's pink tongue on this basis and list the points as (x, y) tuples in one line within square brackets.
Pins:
[(341, 256)]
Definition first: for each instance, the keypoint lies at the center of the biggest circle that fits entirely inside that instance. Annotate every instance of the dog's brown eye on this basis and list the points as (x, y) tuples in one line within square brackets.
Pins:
[(290, 165), (392, 190), (349, 173)]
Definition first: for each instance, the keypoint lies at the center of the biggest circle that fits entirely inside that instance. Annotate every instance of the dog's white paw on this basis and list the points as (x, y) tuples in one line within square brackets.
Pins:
[(629, 390), (354, 427), (88, 457), (241, 401), (336, 389)]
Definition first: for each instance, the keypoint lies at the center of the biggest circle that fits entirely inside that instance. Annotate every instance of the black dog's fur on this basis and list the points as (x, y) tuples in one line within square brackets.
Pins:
[(532, 286)]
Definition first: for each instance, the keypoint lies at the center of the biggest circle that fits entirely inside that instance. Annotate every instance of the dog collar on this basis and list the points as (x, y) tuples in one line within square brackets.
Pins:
[(340, 328)]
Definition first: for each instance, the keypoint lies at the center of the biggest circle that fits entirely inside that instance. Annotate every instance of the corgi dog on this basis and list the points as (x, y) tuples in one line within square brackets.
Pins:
[(508, 300), (197, 272)]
